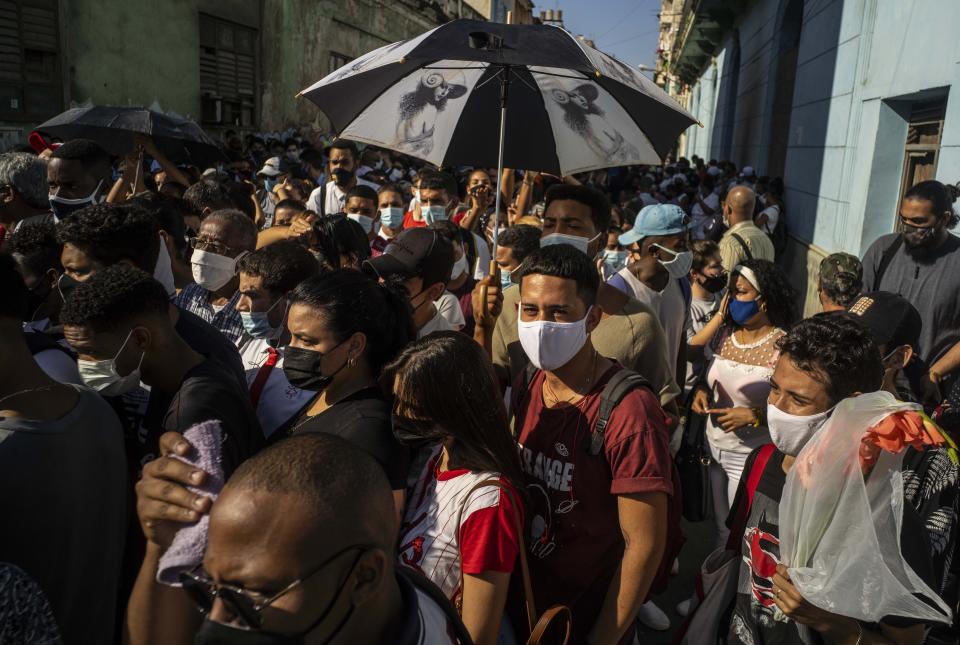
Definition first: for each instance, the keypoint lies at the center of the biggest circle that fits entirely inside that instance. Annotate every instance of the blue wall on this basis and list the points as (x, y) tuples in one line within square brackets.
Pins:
[(860, 64)]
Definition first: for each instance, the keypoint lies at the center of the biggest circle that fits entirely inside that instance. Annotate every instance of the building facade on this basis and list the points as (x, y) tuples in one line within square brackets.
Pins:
[(850, 101), (224, 63)]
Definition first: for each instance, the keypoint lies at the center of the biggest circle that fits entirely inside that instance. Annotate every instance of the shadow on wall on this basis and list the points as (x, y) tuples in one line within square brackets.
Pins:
[(721, 137)]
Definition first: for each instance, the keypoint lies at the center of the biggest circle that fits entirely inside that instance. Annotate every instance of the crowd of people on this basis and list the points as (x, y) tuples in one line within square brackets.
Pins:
[(303, 397)]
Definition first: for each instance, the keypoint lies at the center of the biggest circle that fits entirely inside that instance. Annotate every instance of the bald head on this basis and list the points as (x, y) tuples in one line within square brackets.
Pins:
[(740, 203), (330, 487)]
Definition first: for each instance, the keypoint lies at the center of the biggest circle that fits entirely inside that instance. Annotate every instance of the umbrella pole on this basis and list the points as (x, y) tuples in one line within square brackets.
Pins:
[(494, 270)]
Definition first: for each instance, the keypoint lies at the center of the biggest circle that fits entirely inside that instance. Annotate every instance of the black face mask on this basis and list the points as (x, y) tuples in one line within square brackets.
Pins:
[(66, 284), (714, 284), (342, 176), (414, 432), (214, 633), (302, 368)]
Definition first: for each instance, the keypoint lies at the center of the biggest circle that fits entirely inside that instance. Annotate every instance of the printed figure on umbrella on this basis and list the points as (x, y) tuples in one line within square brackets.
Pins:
[(587, 119), (420, 108)]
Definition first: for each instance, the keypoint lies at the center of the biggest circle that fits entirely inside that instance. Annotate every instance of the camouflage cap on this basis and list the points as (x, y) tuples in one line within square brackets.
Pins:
[(836, 264)]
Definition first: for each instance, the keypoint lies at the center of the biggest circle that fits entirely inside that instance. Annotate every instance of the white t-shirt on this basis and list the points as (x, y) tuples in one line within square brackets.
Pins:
[(646, 199), (482, 267), (701, 311), (435, 544), (437, 323), (773, 216), (671, 311), (699, 219), (336, 198), (279, 401), (449, 308)]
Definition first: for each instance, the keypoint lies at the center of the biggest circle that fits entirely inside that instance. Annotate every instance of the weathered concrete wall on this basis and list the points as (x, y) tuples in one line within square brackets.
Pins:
[(122, 53)]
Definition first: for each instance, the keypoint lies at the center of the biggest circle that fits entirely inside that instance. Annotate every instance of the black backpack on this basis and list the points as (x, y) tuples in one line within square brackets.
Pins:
[(619, 385)]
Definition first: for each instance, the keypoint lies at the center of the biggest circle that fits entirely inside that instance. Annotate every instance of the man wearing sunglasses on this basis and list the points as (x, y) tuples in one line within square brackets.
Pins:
[(225, 236), (922, 264), (300, 550)]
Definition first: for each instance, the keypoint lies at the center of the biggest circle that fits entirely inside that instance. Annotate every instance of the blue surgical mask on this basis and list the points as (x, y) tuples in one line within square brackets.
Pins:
[(257, 323), (614, 260), (432, 214), (506, 281), (62, 207), (391, 217), (743, 310)]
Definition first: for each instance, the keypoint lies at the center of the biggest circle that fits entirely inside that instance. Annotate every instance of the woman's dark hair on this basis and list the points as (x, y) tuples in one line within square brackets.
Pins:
[(778, 294), (836, 349), (350, 302), (702, 250), (446, 378), (938, 195), (339, 240)]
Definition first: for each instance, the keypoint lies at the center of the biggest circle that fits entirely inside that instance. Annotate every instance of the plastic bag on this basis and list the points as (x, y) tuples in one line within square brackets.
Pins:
[(840, 529)]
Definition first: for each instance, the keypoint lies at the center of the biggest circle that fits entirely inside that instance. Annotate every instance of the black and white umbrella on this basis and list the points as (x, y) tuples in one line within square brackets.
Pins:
[(564, 107)]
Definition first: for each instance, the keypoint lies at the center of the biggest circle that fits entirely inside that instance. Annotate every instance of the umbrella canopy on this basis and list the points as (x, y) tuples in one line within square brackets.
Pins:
[(570, 108), (113, 128)]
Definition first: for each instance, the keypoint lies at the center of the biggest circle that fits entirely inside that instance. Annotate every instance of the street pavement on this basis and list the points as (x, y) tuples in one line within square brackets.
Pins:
[(698, 546)]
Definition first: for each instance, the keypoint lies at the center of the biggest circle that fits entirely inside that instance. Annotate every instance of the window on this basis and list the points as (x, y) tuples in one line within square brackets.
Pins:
[(336, 61), (30, 85), (228, 72), (922, 148)]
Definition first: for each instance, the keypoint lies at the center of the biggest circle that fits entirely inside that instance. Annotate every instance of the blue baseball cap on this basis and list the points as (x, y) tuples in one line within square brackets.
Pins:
[(656, 220)]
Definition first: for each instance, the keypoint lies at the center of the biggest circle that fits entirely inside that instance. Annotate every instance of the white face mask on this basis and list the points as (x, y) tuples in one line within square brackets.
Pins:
[(363, 220), (102, 375), (432, 214), (460, 267), (790, 432), (212, 271), (550, 345), (679, 266), (582, 244)]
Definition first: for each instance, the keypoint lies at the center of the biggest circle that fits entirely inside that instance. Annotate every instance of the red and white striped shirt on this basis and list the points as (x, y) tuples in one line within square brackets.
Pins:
[(432, 543)]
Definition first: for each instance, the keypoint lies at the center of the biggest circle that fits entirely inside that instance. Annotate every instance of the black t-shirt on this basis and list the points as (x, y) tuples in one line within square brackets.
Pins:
[(204, 338), (205, 394), (363, 419), (755, 619)]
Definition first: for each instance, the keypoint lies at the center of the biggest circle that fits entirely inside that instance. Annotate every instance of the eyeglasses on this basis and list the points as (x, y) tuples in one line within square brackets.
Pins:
[(200, 244), (242, 603)]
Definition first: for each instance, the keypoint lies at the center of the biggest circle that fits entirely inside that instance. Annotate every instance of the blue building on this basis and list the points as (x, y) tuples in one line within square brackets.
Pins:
[(849, 101)]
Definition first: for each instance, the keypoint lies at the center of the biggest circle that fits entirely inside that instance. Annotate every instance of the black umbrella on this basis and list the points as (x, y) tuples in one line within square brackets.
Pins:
[(563, 106), (181, 140)]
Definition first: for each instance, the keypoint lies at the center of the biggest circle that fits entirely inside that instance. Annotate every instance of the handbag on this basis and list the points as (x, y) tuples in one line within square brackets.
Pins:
[(693, 466), (716, 584), (559, 614)]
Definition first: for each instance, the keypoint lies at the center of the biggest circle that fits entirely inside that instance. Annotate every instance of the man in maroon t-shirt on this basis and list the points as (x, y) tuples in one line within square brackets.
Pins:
[(581, 505)]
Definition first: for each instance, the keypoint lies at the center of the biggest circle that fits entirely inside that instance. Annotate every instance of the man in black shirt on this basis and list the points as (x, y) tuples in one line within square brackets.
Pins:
[(312, 516), (119, 325)]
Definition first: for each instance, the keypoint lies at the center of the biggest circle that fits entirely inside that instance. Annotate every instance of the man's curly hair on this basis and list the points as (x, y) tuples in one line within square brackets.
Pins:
[(114, 296), (837, 350), (109, 233), (37, 247)]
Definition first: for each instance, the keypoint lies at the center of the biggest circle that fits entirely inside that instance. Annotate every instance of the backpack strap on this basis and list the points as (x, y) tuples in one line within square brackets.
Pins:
[(322, 206), (885, 261), (739, 524), (619, 385), (40, 342), (260, 380), (746, 249)]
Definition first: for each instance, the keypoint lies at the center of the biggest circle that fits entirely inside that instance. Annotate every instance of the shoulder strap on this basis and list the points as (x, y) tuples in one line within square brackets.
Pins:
[(746, 249), (260, 380), (424, 584), (739, 524), (885, 261), (521, 547), (613, 392), (40, 342), (322, 206)]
